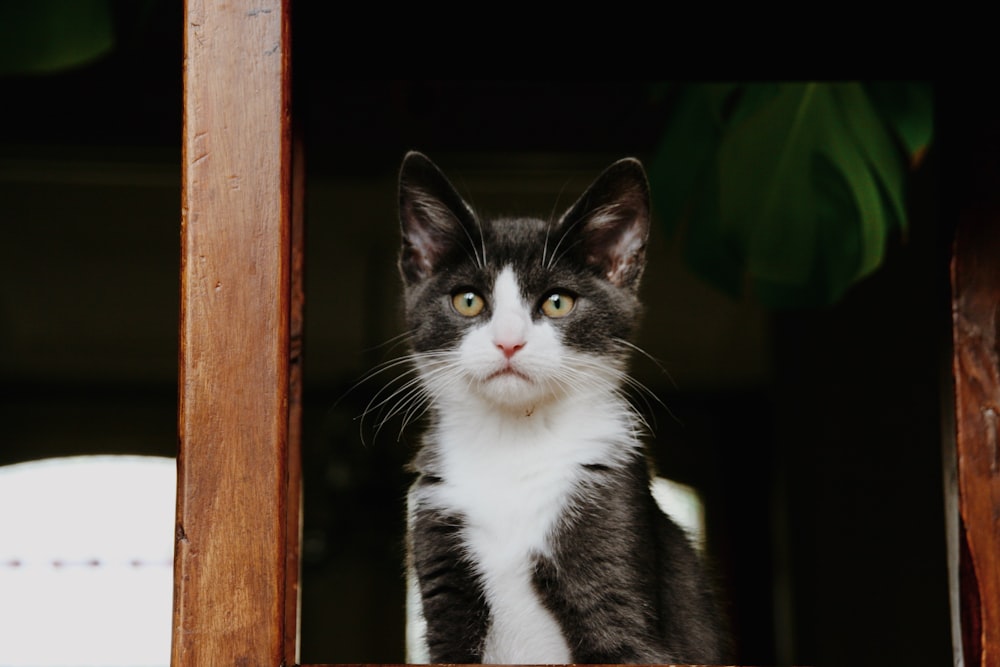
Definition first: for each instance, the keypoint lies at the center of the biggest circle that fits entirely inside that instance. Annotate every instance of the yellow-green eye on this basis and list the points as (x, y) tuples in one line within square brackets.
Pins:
[(558, 304), (468, 304)]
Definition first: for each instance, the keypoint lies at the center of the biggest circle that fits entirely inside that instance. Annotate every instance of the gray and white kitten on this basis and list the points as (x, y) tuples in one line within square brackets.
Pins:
[(533, 536)]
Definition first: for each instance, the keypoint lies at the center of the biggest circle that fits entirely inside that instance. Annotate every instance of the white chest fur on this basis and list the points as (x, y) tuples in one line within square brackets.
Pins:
[(512, 478)]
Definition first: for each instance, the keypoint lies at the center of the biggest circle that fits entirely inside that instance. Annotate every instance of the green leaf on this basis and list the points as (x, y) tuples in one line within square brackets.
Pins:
[(803, 190), (872, 167), (42, 36), (762, 162)]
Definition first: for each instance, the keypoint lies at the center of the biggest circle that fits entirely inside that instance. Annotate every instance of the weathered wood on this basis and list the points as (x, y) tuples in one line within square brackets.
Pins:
[(976, 367), (230, 604)]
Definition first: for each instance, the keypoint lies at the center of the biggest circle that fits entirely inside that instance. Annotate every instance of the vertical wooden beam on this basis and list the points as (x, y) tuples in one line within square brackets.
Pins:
[(976, 367), (230, 602)]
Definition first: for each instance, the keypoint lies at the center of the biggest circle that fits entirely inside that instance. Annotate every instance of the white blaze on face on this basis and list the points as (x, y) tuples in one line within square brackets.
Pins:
[(511, 322)]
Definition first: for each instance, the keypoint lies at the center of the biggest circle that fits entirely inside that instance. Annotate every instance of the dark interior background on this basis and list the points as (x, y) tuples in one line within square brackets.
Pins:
[(812, 436)]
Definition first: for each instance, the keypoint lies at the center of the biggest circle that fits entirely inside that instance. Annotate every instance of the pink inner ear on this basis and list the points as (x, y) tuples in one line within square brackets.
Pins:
[(421, 250), (422, 228), (621, 257)]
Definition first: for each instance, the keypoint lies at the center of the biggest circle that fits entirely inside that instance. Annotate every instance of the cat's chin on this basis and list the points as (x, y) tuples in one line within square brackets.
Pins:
[(511, 389)]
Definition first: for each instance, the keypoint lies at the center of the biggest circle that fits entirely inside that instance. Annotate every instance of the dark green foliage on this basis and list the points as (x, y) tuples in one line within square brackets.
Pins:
[(45, 36), (789, 190)]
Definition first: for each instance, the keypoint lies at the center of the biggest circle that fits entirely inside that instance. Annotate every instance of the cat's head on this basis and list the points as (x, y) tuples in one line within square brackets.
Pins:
[(520, 311)]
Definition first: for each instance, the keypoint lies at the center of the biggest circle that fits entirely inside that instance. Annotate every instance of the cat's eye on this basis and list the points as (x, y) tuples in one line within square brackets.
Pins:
[(558, 304), (468, 304)]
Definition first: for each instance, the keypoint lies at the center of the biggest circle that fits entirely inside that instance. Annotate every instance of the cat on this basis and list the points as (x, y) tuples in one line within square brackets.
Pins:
[(532, 533)]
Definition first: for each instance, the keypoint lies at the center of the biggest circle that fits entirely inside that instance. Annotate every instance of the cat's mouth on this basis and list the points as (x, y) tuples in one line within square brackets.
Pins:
[(508, 371)]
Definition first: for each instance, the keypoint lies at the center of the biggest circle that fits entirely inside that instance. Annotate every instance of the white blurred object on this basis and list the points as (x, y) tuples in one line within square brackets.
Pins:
[(682, 504), (86, 551)]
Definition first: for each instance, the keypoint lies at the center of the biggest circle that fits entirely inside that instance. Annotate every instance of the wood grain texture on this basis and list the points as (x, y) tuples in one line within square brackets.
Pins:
[(976, 367), (232, 516)]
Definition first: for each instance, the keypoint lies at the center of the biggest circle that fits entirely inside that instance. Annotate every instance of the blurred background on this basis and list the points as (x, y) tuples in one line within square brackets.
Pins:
[(810, 432)]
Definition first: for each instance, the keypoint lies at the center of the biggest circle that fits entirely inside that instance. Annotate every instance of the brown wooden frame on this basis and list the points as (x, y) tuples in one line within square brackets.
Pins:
[(972, 467), (236, 555), (238, 505)]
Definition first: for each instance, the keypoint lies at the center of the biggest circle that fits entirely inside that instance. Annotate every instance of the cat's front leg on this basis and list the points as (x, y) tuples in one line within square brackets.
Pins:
[(604, 622), (452, 599)]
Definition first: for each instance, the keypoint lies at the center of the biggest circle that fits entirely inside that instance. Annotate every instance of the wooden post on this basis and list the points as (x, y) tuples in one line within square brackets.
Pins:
[(235, 518), (975, 559)]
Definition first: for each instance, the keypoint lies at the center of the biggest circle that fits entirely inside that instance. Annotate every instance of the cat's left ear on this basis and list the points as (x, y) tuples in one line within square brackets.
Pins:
[(609, 224), (434, 218)]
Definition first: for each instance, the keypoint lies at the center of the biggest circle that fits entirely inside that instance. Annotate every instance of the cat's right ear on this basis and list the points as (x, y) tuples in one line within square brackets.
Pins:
[(433, 217)]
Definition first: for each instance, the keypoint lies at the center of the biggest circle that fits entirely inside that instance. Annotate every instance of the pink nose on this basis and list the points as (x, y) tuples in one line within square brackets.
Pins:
[(509, 348)]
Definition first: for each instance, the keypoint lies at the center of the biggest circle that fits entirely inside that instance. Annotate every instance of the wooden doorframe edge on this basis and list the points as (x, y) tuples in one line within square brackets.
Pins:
[(237, 520)]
